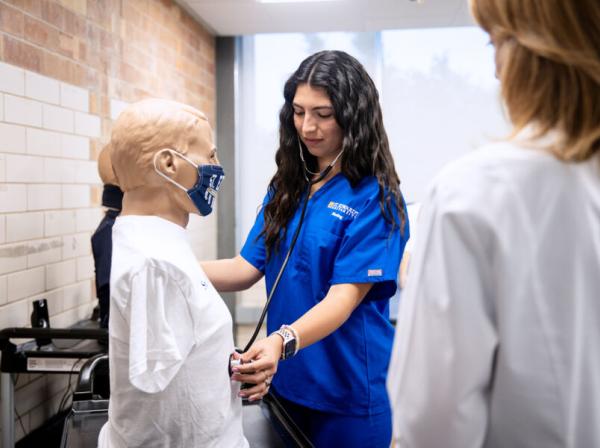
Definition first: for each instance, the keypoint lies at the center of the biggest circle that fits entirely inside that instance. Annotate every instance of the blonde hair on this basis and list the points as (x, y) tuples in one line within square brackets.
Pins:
[(144, 128), (549, 68)]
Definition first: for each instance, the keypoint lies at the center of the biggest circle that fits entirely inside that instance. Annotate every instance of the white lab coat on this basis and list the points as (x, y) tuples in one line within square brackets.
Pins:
[(498, 334), (170, 339)]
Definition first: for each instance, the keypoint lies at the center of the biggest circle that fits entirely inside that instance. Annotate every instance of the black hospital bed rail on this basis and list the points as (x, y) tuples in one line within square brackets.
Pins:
[(47, 353), (17, 358)]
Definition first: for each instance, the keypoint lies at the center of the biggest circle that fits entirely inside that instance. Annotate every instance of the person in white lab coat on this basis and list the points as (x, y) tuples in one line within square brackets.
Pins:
[(498, 334)]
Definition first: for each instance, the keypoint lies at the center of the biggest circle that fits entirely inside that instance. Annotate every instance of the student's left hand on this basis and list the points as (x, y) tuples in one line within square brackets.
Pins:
[(258, 366)]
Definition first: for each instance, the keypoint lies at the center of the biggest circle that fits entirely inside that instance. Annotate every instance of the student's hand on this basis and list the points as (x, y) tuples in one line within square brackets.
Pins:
[(259, 364)]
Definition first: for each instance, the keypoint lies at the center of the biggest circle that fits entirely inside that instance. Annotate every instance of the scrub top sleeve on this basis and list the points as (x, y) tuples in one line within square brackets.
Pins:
[(254, 251), (161, 330), (370, 251), (443, 354)]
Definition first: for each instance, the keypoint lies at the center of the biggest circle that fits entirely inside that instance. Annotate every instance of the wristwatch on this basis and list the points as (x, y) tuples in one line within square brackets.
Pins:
[(290, 341)]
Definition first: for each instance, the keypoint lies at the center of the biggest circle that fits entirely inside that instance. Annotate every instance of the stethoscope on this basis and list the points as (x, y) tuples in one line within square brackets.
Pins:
[(310, 182)]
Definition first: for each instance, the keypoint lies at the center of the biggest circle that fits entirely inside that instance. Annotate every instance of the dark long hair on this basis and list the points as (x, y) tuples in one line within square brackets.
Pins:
[(366, 150)]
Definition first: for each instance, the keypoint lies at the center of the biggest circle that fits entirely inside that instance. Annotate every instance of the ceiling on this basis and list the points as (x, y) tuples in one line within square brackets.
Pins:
[(236, 17)]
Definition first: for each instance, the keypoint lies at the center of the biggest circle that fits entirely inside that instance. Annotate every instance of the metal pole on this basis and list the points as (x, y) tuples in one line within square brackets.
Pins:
[(8, 411)]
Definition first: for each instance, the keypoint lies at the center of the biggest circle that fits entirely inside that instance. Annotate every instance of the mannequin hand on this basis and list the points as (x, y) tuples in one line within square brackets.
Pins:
[(259, 364)]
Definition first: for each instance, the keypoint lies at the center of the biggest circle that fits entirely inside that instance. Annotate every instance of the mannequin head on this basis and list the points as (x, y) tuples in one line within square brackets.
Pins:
[(146, 138), (105, 168), (112, 196)]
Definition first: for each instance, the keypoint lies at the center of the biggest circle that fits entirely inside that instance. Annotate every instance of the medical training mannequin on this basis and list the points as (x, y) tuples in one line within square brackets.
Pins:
[(328, 321), (170, 333), (112, 198), (498, 335)]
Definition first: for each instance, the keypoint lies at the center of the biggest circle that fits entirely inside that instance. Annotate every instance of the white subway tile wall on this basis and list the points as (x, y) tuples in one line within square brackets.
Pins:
[(74, 97), (47, 215), (76, 245), (12, 79), (2, 168), (59, 170), (60, 222), (44, 196), (87, 219), (43, 143), (74, 295), (86, 172), (2, 229), (14, 315), (22, 111), (13, 257), (85, 268), (86, 124), (75, 147), (24, 169), (61, 274), (58, 118), (43, 252), (41, 88), (12, 138), (13, 197), (75, 196), (3, 290), (26, 283), (24, 226)]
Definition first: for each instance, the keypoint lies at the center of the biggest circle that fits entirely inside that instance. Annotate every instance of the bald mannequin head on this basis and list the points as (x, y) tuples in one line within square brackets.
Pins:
[(158, 149), (146, 127)]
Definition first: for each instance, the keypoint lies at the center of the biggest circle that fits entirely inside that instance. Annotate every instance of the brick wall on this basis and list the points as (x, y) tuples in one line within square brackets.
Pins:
[(67, 69)]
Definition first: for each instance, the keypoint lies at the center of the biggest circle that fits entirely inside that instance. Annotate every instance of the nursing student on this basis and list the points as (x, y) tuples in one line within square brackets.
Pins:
[(328, 321), (499, 327)]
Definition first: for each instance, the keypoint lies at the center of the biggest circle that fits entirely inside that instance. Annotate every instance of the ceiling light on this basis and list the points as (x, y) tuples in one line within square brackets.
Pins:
[(296, 1)]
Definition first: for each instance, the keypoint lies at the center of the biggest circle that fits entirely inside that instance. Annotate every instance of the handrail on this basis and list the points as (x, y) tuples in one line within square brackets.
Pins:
[(53, 333)]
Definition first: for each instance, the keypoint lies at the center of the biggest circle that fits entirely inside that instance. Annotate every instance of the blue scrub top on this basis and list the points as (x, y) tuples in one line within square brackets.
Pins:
[(344, 239)]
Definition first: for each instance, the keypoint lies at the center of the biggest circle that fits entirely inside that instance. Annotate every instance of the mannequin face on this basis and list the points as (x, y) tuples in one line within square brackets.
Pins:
[(315, 123), (202, 151)]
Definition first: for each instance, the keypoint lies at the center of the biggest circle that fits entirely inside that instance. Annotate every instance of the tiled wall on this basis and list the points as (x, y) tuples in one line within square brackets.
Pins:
[(67, 68)]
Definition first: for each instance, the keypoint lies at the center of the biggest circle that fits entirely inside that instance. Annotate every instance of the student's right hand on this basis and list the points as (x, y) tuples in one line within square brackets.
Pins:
[(259, 364)]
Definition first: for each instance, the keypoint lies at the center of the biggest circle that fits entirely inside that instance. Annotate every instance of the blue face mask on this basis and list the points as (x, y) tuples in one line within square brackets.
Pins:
[(205, 189)]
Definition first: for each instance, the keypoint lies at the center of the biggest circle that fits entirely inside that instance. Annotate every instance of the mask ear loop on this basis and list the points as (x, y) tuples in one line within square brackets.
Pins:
[(160, 173)]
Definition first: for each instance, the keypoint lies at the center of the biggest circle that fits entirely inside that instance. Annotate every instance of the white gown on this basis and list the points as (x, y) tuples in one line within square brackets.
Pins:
[(170, 338)]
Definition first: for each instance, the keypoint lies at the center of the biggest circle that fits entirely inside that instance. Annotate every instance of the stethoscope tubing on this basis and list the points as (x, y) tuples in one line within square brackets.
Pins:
[(321, 176)]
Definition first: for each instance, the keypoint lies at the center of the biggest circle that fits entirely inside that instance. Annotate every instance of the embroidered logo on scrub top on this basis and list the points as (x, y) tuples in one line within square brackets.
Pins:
[(374, 272), (342, 208)]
